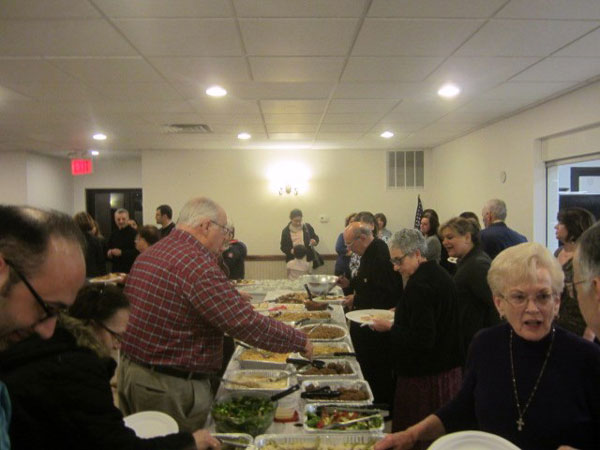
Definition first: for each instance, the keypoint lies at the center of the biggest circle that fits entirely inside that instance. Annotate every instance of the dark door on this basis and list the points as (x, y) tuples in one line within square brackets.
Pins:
[(101, 204)]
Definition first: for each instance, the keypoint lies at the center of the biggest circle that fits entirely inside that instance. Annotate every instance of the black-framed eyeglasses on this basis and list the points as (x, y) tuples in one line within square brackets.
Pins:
[(114, 334), (224, 229), (50, 310)]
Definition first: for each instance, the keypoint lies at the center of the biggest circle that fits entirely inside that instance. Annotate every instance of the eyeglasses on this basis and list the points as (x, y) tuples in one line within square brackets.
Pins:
[(224, 229), (50, 310), (118, 337), (519, 299), (399, 261), (572, 291)]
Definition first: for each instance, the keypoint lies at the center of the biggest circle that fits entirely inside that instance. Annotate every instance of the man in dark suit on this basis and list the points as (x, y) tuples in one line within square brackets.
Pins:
[(497, 236), (164, 218)]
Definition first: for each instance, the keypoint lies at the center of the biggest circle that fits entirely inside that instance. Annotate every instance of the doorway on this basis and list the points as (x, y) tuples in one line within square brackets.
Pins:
[(101, 204)]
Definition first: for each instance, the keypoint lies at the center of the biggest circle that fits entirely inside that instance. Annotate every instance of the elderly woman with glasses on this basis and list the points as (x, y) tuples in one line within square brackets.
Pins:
[(60, 387), (425, 335), (526, 380)]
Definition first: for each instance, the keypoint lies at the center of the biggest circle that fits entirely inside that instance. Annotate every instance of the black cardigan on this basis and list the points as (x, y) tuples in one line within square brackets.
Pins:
[(475, 301), (62, 399), (286, 244), (426, 337)]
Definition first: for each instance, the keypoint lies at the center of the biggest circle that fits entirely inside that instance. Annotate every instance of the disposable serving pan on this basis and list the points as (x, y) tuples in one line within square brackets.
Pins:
[(257, 364), (312, 407), (238, 388), (317, 441), (353, 366), (308, 328), (335, 384), (339, 346), (240, 438)]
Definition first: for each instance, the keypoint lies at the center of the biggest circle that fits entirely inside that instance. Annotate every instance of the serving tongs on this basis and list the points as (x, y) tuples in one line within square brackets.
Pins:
[(225, 441), (350, 422), (305, 362), (323, 392)]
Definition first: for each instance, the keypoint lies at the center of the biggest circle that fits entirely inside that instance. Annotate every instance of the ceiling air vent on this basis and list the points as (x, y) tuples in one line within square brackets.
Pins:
[(186, 128)]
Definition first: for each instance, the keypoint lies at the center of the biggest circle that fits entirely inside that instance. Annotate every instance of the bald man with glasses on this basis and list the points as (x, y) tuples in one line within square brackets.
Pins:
[(41, 269)]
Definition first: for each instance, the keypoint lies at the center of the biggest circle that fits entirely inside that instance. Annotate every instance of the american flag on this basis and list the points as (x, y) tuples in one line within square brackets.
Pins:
[(418, 213)]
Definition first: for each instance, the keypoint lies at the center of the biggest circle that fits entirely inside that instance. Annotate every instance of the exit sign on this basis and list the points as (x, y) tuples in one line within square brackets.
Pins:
[(81, 166)]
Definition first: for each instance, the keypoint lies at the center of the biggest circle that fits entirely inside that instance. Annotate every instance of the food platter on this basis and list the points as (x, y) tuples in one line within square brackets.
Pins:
[(265, 381), (329, 299), (347, 441), (318, 333), (109, 278), (317, 417), (356, 392), (350, 370), (366, 316), (322, 350), (148, 424)]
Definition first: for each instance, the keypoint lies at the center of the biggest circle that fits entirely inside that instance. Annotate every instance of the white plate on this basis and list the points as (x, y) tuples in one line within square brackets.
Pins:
[(148, 424), (331, 300), (472, 440), (359, 315)]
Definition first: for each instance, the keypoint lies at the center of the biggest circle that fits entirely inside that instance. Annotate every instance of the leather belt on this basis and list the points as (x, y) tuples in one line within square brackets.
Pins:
[(171, 371)]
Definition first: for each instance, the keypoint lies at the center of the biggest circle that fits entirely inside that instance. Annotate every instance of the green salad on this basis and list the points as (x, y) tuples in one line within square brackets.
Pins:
[(246, 414)]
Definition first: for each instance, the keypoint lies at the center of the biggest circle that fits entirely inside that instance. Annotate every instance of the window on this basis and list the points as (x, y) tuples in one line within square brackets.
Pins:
[(405, 169)]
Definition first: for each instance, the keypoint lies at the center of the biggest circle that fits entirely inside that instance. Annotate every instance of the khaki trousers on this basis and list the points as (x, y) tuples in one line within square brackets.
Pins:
[(142, 389)]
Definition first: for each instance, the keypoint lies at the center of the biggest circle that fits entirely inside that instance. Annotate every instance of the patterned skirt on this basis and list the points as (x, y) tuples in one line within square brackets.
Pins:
[(417, 397)]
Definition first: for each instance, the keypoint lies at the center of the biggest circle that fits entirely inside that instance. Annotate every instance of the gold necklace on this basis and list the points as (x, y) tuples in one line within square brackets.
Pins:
[(520, 422)]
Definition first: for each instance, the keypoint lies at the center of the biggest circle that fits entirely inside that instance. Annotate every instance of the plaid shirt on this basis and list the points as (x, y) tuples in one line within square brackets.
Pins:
[(182, 304)]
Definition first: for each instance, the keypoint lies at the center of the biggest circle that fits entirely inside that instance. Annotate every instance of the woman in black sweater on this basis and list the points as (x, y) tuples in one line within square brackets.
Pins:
[(60, 387), (425, 335)]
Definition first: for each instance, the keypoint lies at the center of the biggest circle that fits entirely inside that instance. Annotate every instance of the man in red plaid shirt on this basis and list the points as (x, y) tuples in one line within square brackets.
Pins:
[(181, 305)]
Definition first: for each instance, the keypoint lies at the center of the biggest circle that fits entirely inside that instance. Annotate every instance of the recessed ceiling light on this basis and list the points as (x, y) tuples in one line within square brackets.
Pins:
[(216, 91), (99, 137), (244, 136), (94, 152), (387, 134), (449, 91)]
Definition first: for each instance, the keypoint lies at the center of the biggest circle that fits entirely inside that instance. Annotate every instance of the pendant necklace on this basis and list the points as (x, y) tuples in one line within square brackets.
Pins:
[(521, 412)]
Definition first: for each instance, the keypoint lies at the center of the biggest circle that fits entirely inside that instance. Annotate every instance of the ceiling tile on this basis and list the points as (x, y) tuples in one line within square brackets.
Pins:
[(335, 137), (296, 69), (22, 71), (182, 37), (561, 69), (588, 45), (61, 38), (224, 105), (282, 91), (383, 90), (434, 8), (292, 128), (305, 8), (551, 9), (162, 8), (271, 119), (297, 37), (353, 118), (133, 91), (56, 92), (360, 106), (202, 71), (108, 70), (345, 127), (291, 136), (412, 37), (292, 106), (233, 119), (38, 9), (406, 69), (524, 37), (530, 91), (254, 129)]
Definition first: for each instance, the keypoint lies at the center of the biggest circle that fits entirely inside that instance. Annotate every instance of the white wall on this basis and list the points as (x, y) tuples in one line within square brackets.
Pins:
[(341, 182), (13, 178), (467, 170), (49, 183), (113, 173)]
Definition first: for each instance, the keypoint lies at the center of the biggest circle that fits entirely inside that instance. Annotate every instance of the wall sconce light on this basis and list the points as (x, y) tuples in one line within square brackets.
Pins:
[(288, 189)]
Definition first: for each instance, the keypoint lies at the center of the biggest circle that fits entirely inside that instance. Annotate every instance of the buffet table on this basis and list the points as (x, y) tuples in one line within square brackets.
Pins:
[(293, 400)]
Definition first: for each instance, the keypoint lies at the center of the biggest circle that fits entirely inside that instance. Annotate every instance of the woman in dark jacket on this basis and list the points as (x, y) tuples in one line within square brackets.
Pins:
[(296, 232), (477, 310), (425, 336), (60, 387), (95, 262)]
